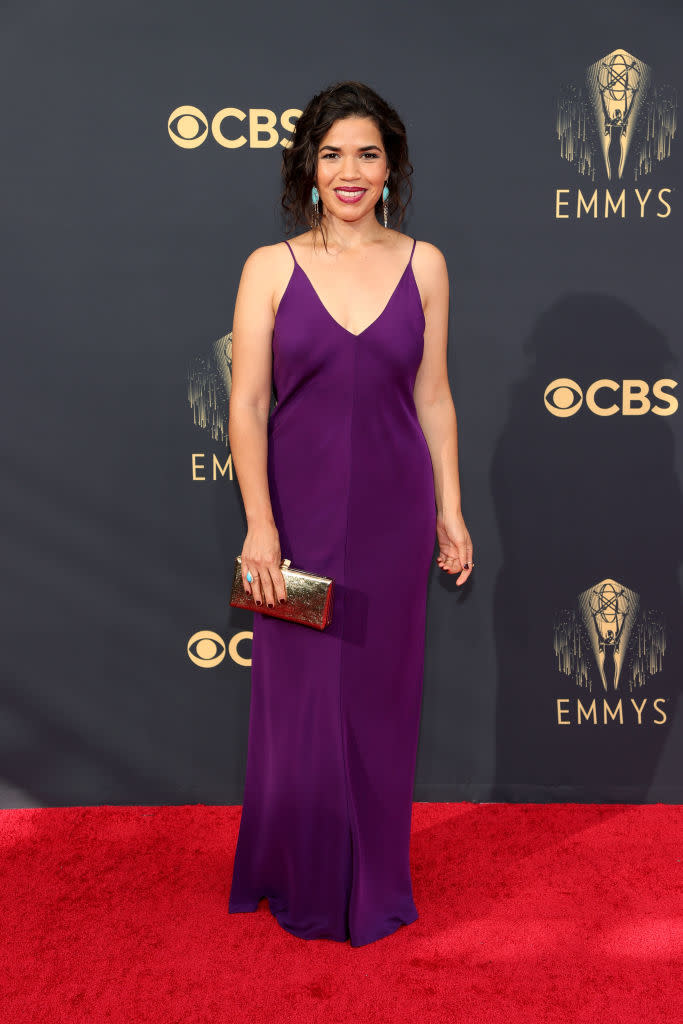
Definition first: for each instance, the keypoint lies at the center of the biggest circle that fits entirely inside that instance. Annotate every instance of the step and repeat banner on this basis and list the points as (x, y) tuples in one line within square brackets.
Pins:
[(141, 169)]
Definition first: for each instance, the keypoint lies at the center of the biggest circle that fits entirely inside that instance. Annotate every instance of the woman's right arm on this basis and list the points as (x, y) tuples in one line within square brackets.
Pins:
[(252, 334)]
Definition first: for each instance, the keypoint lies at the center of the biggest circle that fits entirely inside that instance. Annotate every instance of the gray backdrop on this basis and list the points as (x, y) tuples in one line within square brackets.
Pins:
[(555, 673)]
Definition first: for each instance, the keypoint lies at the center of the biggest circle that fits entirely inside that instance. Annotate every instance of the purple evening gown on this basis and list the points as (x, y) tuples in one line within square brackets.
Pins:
[(334, 717)]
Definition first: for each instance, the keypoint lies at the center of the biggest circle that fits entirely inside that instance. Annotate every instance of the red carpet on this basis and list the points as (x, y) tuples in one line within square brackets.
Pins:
[(559, 913)]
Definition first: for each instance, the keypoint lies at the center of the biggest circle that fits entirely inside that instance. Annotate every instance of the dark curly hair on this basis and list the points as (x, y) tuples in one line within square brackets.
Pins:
[(300, 159)]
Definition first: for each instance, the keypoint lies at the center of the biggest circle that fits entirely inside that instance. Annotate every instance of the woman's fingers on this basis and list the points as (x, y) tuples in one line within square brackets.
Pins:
[(256, 590), (466, 560), (458, 563), (275, 590), (460, 558), (267, 585), (450, 563), (465, 574), (246, 583), (280, 586)]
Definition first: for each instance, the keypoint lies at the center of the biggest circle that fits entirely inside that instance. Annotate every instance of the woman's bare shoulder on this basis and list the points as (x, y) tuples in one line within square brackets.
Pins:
[(267, 256), (431, 273), (267, 269), (430, 257)]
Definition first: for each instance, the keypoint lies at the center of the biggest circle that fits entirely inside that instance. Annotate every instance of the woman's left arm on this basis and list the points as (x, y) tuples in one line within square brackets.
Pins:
[(436, 413)]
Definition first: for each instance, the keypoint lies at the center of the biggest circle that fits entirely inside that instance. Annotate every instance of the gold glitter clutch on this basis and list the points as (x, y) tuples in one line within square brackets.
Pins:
[(309, 596)]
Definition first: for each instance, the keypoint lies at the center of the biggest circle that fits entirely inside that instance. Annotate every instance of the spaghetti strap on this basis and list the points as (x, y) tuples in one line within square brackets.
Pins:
[(291, 250), (412, 251)]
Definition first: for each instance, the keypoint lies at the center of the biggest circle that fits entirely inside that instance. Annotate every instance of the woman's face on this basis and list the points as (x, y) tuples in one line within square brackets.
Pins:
[(352, 168)]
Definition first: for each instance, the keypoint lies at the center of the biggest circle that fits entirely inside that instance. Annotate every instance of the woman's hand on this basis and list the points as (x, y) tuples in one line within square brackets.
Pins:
[(455, 546), (261, 556)]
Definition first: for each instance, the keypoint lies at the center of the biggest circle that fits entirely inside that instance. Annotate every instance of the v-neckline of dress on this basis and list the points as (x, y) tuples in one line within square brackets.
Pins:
[(377, 318)]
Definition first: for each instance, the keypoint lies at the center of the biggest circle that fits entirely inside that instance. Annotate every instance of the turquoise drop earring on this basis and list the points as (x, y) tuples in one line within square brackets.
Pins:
[(315, 196), (385, 196)]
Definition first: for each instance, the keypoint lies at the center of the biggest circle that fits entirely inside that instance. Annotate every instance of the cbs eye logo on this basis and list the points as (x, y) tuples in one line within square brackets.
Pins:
[(206, 649), (564, 397)]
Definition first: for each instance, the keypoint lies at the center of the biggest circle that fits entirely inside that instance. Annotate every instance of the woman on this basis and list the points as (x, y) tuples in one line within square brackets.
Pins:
[(349, 477)]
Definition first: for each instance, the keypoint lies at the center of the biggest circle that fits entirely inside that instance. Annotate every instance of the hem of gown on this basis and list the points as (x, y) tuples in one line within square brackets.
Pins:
[(390, 927)]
